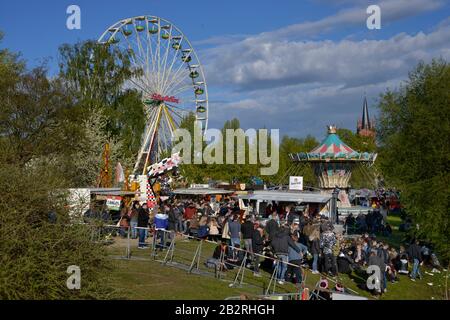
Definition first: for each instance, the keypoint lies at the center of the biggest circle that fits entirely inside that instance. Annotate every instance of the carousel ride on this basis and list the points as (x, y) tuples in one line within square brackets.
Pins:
[(333, 162), (172, 83)]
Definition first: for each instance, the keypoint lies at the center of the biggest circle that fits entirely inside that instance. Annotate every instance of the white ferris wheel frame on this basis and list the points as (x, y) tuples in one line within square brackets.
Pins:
[(159, 76)]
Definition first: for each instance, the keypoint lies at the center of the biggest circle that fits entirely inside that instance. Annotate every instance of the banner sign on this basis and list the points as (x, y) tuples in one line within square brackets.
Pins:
[(295, 183), (113, 203), (199, 186)]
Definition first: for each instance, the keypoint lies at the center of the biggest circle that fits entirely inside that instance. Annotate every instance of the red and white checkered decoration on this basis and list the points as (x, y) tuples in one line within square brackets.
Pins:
[(151, 199), (164, 166)]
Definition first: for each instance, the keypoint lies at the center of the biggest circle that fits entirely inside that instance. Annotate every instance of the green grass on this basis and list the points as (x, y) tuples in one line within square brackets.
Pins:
[(142, 277)]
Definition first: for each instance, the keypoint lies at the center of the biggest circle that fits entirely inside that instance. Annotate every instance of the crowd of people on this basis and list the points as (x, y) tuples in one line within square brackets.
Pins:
[(285, 239)]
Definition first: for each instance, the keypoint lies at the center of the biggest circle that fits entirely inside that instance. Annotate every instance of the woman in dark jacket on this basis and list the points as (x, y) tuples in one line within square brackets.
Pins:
[(257, 246), (173, 219)]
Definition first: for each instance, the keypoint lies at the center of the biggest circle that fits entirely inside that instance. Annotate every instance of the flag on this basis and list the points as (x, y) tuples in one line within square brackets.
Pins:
[(120, 176)]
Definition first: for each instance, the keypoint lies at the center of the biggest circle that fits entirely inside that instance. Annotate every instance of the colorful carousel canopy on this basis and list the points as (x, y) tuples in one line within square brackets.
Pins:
[(333, 149)]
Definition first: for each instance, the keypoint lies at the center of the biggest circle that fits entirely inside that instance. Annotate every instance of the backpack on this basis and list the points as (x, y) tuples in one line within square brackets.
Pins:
[(203, 231)]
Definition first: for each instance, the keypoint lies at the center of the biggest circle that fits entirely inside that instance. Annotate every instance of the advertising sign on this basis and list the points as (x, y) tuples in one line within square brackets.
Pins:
[(113, 203), (295, 183)]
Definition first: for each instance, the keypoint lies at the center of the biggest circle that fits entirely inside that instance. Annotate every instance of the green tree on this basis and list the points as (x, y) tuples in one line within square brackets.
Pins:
[(38, 117), (192, 173), (291, 145), (362, 176), (413, 131), (97, 75), (357, 142), (37, 126)]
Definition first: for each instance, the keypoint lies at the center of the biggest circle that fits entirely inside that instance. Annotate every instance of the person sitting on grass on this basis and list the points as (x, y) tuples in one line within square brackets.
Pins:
[(236, 257), (221, 253), (401, 261), (359, 256), (344, 262), (375, 260)]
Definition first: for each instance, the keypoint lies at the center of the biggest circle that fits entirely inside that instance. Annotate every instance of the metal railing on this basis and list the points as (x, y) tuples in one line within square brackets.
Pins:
[(189, 259)]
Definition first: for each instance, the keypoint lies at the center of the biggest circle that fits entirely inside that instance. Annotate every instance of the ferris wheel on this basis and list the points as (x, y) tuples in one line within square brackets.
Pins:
[(171, 80)]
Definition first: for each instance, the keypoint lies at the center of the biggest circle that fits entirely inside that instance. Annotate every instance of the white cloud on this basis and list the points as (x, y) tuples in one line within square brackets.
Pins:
[(391, 10), (300, 87), (277, 81), (251, 64)]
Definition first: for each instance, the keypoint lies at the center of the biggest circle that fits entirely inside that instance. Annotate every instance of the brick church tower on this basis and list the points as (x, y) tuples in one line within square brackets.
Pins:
[(366, 126)]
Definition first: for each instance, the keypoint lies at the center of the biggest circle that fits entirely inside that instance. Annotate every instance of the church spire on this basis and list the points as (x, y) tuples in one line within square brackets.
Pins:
[(365, 118), (366, 126)]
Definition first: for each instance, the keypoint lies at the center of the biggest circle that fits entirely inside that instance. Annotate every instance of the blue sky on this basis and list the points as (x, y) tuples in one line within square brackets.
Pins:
[(292, 65)]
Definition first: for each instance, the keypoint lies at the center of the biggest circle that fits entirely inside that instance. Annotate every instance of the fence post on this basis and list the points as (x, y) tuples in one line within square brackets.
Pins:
[(241, 269), (220, 265), (170, 251), (196, 259), (128, 243), (273, 279), (153, 254)]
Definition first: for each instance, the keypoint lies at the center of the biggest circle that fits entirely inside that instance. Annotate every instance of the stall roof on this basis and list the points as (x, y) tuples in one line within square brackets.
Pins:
[(113, 192), (288, 196), (201, 191), (103, 190)]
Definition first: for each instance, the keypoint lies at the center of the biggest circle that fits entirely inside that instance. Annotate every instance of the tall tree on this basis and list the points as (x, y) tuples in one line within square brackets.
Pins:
[(98, 76), (38, 115), (291, 145), (37, 127), (414, 131), (362, 176)]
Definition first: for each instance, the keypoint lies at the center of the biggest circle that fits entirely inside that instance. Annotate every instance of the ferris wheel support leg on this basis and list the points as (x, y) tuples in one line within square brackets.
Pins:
[(152, 141)]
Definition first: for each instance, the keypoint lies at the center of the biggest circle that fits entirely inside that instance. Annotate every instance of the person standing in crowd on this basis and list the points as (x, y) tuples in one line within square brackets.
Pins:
[(383, 253), (213, 230), (314, 238), (235, 231), (124, 222), (190, 213), (247, 234), (288, 217), (226, 231), (161, 225), (257, 246), (303, 220), (327, 243), (280, 244), (143, 217), (295, 227), (415, 254), (178, 213), (295, 258), (172, 218), (272, 227), (134, 219), (203, 228)]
